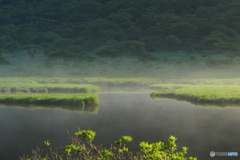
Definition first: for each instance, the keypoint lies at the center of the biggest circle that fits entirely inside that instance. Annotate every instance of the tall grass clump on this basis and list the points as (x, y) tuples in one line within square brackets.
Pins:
[(213, 94), (51, 99), (82, 147)]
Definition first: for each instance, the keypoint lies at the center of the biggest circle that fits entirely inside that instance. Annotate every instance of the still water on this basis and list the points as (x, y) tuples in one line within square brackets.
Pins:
[(201, 129)]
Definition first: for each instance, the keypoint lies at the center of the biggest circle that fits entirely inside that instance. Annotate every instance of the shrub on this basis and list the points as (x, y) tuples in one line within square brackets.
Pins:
[(82, 147)]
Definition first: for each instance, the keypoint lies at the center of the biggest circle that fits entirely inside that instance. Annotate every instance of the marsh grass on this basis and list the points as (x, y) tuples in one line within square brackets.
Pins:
[(117, 81), (82, 100), (48, 88), (223, 95)]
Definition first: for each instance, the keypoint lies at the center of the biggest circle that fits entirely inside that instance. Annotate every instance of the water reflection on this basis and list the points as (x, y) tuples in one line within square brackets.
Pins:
[(202, 130), (79, 109), (204, 105)]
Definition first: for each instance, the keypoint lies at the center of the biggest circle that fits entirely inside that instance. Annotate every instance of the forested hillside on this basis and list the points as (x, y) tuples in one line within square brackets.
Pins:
[(71, 28)]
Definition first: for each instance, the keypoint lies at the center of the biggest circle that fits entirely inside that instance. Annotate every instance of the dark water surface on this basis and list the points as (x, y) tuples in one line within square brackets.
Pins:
[(202, 130)]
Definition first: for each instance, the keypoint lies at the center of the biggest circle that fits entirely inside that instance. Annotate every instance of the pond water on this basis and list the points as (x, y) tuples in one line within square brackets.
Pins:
[(201, 129)]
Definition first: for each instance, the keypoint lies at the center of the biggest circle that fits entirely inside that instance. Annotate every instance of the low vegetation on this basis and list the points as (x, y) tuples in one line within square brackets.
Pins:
[(82, 147), (118, 82), (205, 94), (47, 88), (81, 100)]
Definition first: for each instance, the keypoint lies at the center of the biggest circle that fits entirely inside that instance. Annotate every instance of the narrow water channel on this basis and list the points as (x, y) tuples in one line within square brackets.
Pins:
[(201, 129)]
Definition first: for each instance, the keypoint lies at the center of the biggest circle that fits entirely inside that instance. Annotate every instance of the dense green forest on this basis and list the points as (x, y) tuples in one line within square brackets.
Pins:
[(109, 28)]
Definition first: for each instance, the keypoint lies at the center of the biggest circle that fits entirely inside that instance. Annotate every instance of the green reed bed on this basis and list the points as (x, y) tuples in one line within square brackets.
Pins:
[(48, 88), (204, 94), (81, 100)]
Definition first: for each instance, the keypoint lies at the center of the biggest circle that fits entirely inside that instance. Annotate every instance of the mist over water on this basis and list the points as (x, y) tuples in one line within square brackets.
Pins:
[(178, 65), (202, 130)]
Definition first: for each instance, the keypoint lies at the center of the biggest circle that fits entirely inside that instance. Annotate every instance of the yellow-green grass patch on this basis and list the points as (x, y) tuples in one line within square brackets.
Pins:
[(48, 88), (82, 100), (208, 94)]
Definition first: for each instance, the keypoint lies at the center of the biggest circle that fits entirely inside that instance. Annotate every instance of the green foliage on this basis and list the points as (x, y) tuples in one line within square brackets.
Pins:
[(134, 47), (172, 42), (89, 135), (72, 148), (106, 51), (161, 151), (47, 143), (124, 139), (146, 57), (69, 56), (60, 24), (107, 154), (3, 60), (83, 148)]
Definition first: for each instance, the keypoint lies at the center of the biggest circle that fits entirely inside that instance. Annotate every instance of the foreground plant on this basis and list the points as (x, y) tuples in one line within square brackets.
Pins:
[(82, 148)]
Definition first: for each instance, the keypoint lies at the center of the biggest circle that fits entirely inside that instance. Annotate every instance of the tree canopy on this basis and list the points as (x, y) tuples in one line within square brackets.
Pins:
[(139, 25)]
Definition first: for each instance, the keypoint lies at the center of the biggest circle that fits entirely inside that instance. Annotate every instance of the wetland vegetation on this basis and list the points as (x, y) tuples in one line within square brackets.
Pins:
[(81, 100), (47, 88), (222, 95)]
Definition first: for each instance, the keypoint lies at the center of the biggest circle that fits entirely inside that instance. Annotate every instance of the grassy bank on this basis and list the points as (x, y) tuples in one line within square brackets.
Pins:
[(47, 88), (81, 100), (118, 81), (96, 80), (204, 94)]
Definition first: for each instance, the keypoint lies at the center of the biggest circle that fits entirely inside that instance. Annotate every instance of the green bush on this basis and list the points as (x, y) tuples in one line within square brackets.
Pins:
[(82, 147)]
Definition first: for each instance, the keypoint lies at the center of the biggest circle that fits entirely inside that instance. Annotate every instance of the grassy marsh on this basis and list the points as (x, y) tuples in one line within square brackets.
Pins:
[(119, 81), (81, 100), (204, 94), (48, 88)]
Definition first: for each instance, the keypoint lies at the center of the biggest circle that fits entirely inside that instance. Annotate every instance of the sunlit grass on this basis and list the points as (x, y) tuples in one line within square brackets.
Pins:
[(48, 88), (51, 99), (212, 94), (118, 81)]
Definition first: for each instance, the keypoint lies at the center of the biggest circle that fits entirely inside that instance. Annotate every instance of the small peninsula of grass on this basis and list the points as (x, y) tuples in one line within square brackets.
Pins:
[(48, 88), (80, 100), (204, 94)]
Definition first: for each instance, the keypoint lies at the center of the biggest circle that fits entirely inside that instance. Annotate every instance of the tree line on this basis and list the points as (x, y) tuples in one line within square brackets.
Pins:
[(119, 28)]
